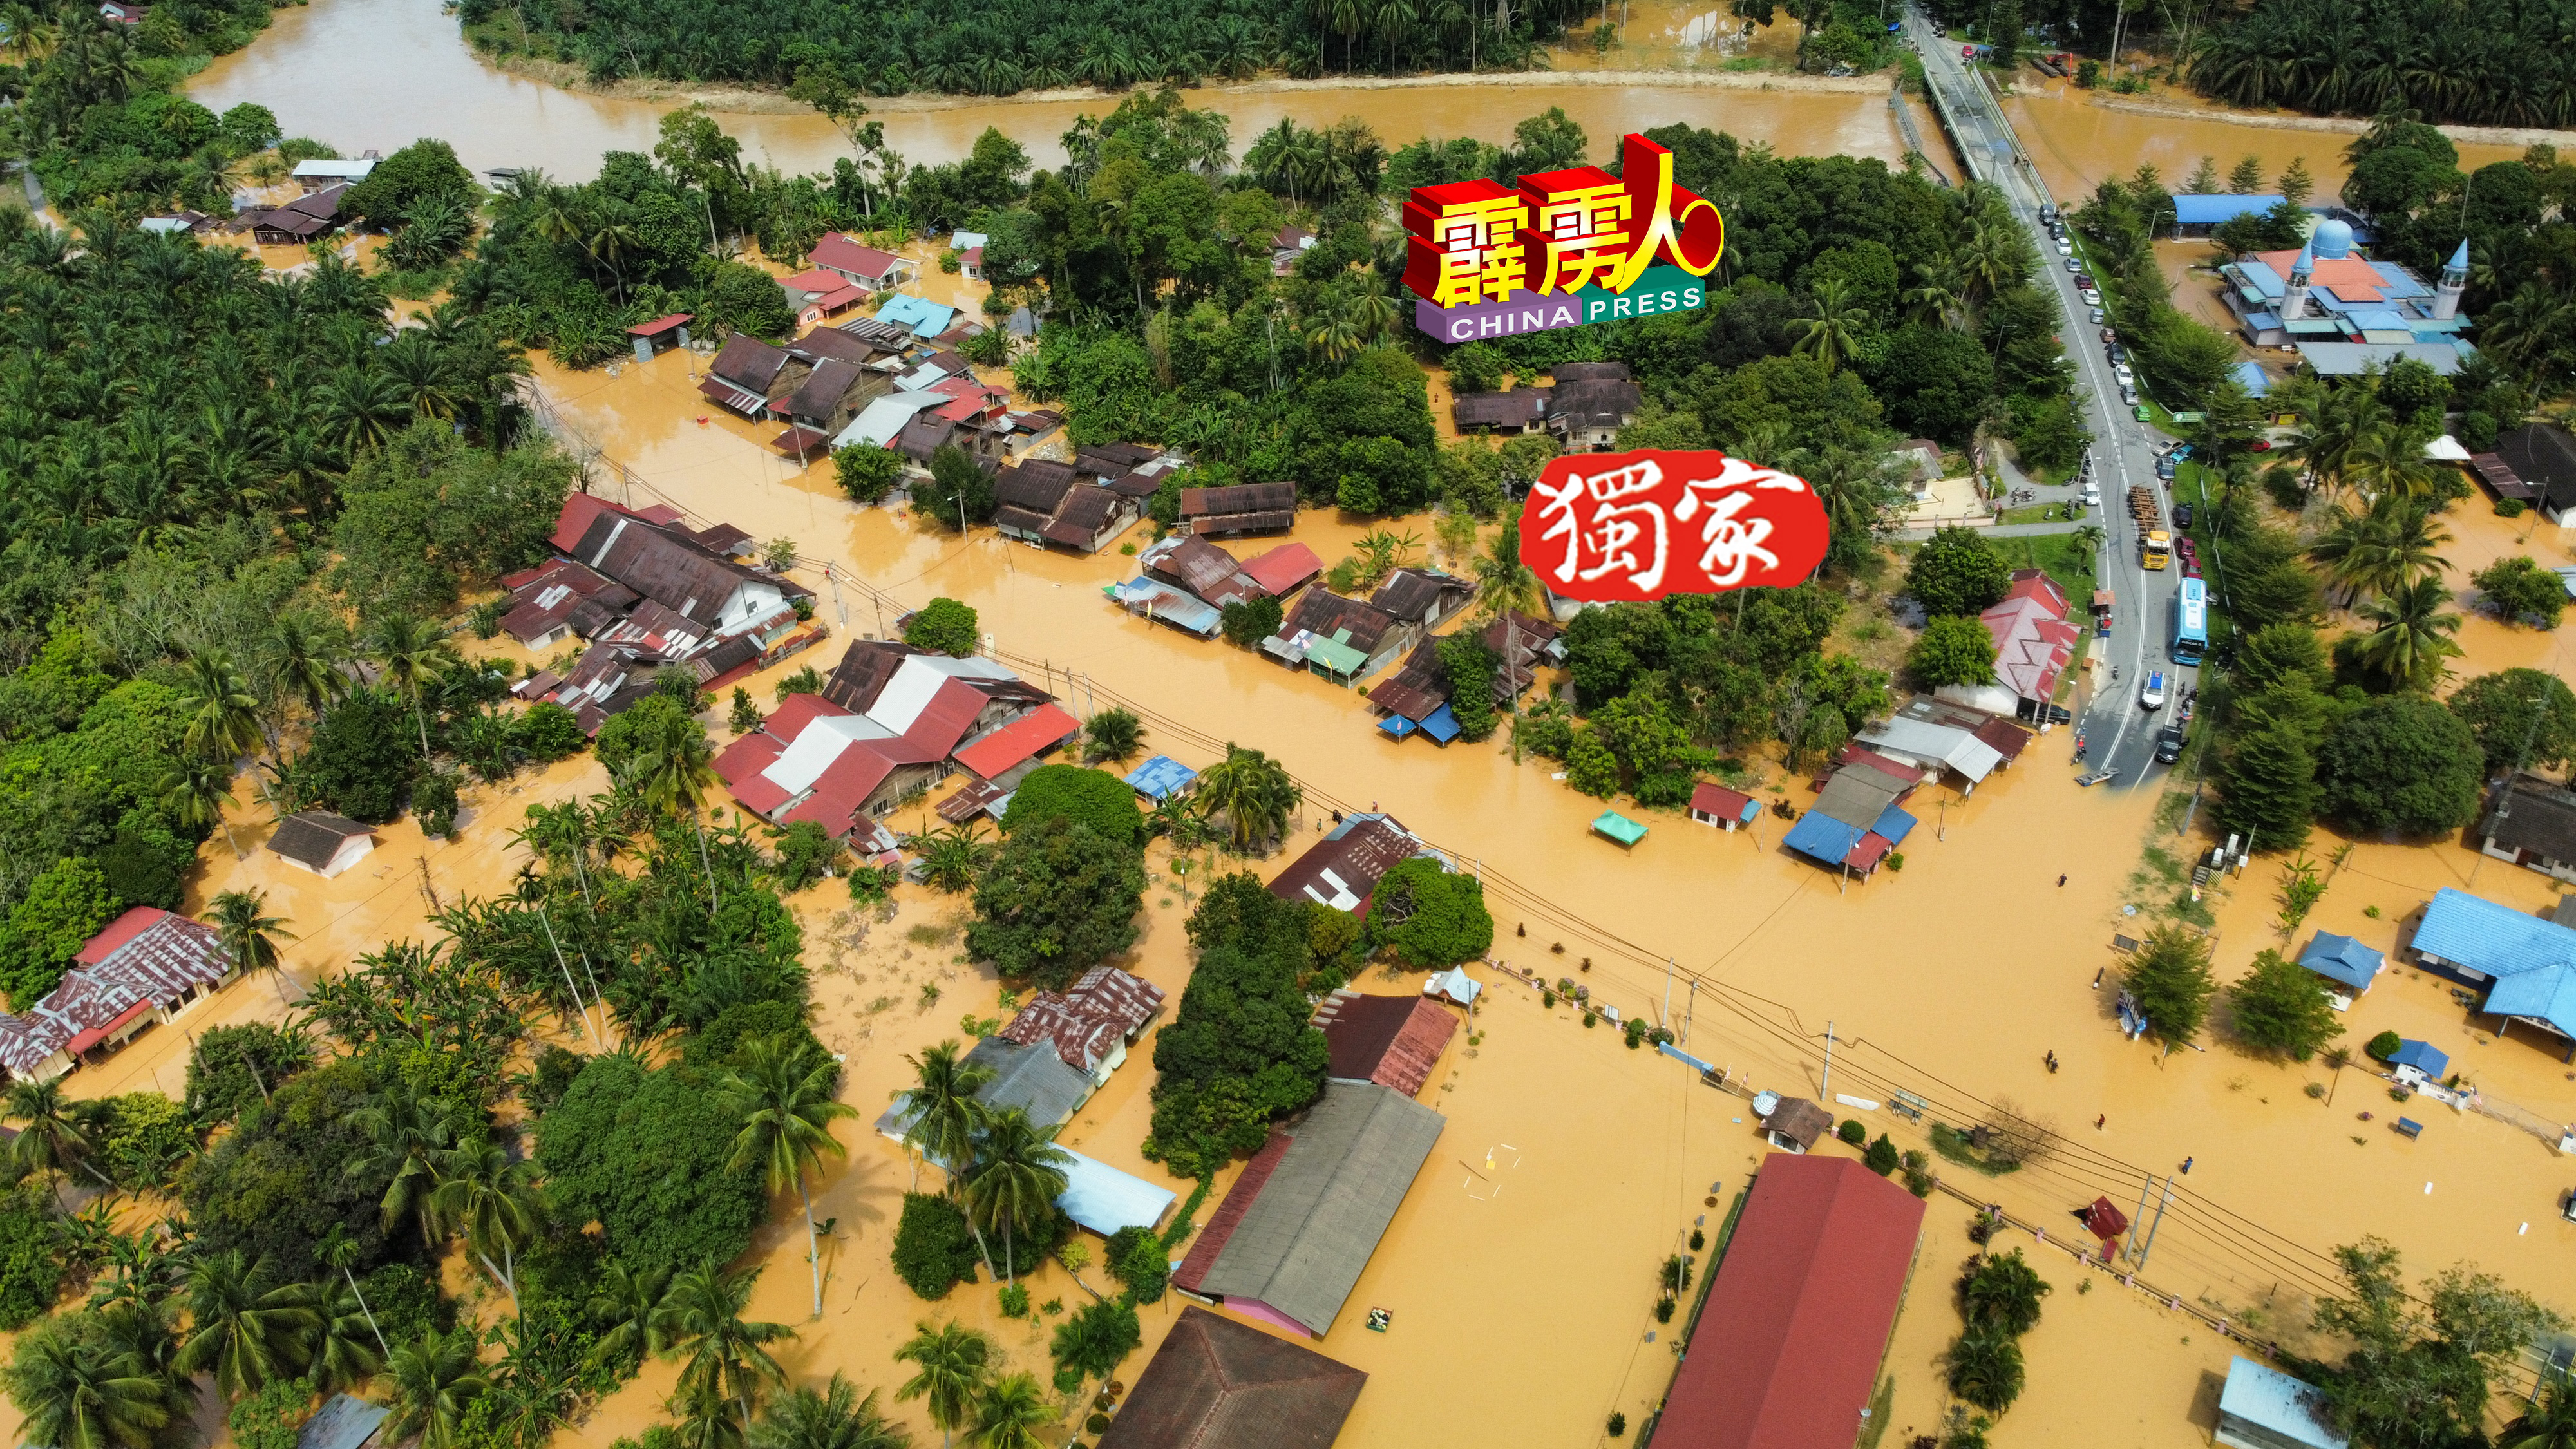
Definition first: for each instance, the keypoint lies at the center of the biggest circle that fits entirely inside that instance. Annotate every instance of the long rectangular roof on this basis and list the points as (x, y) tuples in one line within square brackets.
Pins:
[(1807, 1294), (2273, 1401), (1957, 748), (1300, 1247), (2477, 933), (1341, 869)]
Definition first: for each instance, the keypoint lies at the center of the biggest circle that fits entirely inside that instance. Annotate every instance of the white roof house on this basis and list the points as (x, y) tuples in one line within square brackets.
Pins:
[(877, 423), (918, 678), (817, 746), (1928, 744), (334, 170)]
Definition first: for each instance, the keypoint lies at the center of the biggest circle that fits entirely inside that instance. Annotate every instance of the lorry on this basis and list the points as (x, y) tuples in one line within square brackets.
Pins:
[(2156, 550)]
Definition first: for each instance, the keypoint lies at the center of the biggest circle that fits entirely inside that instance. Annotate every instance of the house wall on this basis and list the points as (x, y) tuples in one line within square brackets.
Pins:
[(2244, 1434), (904, 781), (1260, 1312), (2531, 860)]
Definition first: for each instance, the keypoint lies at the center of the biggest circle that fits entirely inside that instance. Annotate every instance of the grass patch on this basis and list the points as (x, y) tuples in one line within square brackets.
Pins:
[(1953, 1144), (1744, 63), (931, 933), (1879, 1403), (2059, 556), (2036, 513)]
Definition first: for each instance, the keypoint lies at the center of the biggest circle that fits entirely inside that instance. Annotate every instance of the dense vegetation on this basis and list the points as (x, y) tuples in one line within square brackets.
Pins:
[(2496, 65), (996, 47), (1239, 1053)]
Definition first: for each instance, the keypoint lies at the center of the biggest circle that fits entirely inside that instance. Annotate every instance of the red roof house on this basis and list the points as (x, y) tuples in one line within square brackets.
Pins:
[(2033, 641), (1018, 743), (1394, 1041), (1713, 804), (1804, 1299), (1092, 1022), (1285, 569), (145, 967), (861, 264)]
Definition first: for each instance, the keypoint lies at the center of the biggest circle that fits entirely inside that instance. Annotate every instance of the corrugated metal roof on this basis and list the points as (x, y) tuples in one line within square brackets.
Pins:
[(1103, 1199), (2469, 931), (2343, 959), (1039, 730), (1218, 1384), (2273, 1401)]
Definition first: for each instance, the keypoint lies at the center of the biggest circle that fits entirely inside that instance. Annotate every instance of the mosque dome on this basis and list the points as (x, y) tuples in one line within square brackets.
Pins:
[(2332, 239)]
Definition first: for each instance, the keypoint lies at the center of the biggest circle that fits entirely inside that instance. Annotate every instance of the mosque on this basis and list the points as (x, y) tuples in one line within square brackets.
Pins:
[(2344, 313)]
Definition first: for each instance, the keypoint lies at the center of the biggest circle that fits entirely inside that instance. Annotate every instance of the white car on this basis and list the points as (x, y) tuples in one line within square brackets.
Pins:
[(2097, 316), (2092, 300), (2092, 495), (2121, 371), (2065, 248)]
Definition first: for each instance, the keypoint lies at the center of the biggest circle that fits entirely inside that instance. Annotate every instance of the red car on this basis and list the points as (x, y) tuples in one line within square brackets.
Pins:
[(2259, 445)]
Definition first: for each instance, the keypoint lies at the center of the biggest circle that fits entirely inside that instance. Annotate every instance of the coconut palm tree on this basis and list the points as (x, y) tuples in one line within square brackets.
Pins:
[(2550, 1423), (836, 1418), (2385, 463), (338, 1250), (728, 1356), (492, 1201), (624, 1309), (1019, 1173), (1832, 334), (609, 241), (1986, 1369), (347, 1349), (708, 1420), (946, 1114), (1253, 791), (1008, 1413), (1114, 734), (782, 1096), (1503, 582), (52, 1142), (407, 1138), (408, 649), (222, 713), (195, 790), (303, 659), (434, 1382), (79, 1393), (950, 1364), (2411, 637), (250, 1329), (673, 766), (249, 935)]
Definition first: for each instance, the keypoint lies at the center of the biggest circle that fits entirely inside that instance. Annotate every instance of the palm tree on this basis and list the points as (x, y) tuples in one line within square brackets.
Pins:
[(2003, 1291), (624, 1310), (347, 1348), (338, 1250), (408, 649), (363, 407), (1831, 335), (673, 765), (195, 791), (708, 1420), (783, 1098), (952, 857), (250, 1329), (1114, 734), (1019, 1173), (2550, 1423), (1095, 1339), (2412, 635), (407, 1137), (728, 1355), (946, 1114), (1008, 1414), (1253, 791), (837, 1418), (2385, 463), (223, 715), (51, 1142), (492, 1200), (1986, 1369), (434, 1381), (78, 1393), (301, 658), (249, 936), (1503, 582), (2336, 1059), (950, 1362), (609, 241)]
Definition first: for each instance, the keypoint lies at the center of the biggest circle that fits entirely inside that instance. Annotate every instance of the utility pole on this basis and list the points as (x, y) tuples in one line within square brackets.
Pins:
[(2162, 1203), (1825, 1088), (2145, 1185), (1663, 1018)]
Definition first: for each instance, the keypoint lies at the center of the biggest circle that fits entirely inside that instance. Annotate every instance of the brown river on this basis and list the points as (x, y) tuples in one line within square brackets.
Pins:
[(1519, 1271)]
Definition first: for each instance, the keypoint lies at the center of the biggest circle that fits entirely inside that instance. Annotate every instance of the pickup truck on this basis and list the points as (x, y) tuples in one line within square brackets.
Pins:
[(2152, 694)]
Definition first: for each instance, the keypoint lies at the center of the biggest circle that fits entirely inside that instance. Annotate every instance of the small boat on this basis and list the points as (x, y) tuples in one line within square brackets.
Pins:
[(2097, 777)]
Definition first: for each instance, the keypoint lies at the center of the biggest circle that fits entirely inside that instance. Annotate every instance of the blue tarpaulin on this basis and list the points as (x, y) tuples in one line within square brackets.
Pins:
[(1441, 725), (1160, 778), (1397, 726)]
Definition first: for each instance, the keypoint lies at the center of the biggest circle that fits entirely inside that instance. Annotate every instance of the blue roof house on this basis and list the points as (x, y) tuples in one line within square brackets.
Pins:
[(2477, 941), (925, 318), (2344, 961), (2264, 1408), (2418, 1062), (1160, 778), (2199, 212)]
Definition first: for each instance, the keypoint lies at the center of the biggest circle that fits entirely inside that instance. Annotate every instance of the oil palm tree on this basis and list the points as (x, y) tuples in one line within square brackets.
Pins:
[(301, 658), (950, 1363), (408, 649), (728, 1356), (946, 1114), (1008, 1413), (406, 1138), (1019, 1173), (782, 1096), (837, 1418), (623, 1309), (78, 1393), (1986, 1369), (2411, 635), (1252, 791), (249, 935), (1832, 334), (222, 713), (250, 1329), (492, 1201), (363, 407), (51, 1141), (673, 764), (2550, 1422), (952, 857), (435, 1380)]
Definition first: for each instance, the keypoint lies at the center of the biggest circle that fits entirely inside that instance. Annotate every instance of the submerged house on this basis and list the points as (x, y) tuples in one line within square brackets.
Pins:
[(2534, 464), (2347, 963), (749, 374), (1422, 598), (1215, 1383), (321, 842), (2527, 963), (1240, 508), (1291, 1238), (2532, 823), (148, 966), (1394, 1041), (1416, 699), (1342, 869), (1091, 1023), (2033, 641), (1199, 568), (1590, 402), (2264, 1408), (300, 221), (1341, 639), (864, 265), (1522, 410)]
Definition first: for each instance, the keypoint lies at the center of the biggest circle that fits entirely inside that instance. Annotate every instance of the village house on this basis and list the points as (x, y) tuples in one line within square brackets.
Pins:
[(1590, 403), (1042, 501), (1240, 508), (2527, 963), (1284, 570), (2532, 823), (920, 317), (2534, 464), (2263, 1408), (818, 293), (1416, 699), (1521, 410), (1342, 639), (2350, 965), (322, 173), (823, 404), (147, 967), (651, 339), (1855, 823), (1289, 1242), (1809, 1289), (1394, 1041), (1342, 869), (2346, 313), (1199, 568), (300, 221), (1422, 598), (1520, 642), (2034, 643), (321, 842), (864, 265), (749, 374), (543, 602), (1091, 1023), (1213, 1377), (1793, 1124), (1713, 804)]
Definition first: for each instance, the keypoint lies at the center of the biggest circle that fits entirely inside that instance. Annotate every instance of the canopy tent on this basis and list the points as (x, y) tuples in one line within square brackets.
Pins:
[(1619, 827)]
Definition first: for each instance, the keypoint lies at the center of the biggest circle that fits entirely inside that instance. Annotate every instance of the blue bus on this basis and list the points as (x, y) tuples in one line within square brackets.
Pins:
[(2191, 622)]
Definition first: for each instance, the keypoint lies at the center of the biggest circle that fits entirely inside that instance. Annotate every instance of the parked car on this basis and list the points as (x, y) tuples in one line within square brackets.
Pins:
[(2074, 264), (2129, 394), (2165, 468), (2092, 495), (2109, 336), (2065, 248), (2169, 742), (2259, 445), (2121, 371), (2098, 314), (2182, 515)]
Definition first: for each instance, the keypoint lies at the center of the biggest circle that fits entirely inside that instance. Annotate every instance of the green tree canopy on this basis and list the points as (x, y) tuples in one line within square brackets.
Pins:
[(944, 626), (1430, 916), (1953, 650), (2281, 1006), (644, 1153), (1098, 799), (2521, 718), (1058, 900), (2403, 763), (1955, 572), (2170, 976)]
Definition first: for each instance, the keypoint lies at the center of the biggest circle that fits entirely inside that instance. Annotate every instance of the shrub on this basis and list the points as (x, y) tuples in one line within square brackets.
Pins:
[(1664, 1310), (2508, 508), (2383, 1046), (434, 801), (1096, 798), (1852, 1132), (1249, 621), (274, 1417), (933, 1248), (807, 680), (1636, 1032), (1137, 1259), (229, 1065), (872, 883), (549, 732), (2518, 589), (147, 1135), (406, 1303), (1015, 1300), (944, 626), (1618, 1423), (1882, 1156)]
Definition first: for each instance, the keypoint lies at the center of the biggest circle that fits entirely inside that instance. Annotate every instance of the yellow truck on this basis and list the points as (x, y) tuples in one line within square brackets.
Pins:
[(2157, 549)]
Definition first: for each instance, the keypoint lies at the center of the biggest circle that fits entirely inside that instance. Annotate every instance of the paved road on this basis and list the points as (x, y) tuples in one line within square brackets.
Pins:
[(2118, 734)]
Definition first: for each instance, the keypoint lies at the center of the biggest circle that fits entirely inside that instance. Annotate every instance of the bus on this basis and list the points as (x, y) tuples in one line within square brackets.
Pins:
[(2191, 622)]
